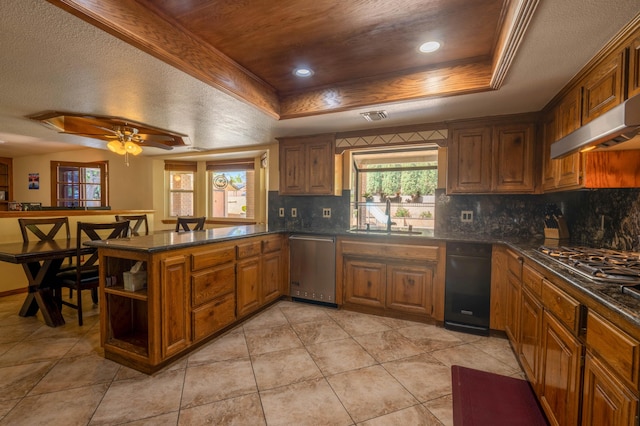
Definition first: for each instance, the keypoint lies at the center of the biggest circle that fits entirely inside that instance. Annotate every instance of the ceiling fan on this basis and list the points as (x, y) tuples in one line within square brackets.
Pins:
[(111, 129)]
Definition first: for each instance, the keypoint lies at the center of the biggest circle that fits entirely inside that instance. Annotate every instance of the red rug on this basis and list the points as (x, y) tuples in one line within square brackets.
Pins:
[(481, 398)]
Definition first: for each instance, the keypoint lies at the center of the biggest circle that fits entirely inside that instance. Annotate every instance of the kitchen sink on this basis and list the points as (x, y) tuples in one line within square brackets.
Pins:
[(384, 231)]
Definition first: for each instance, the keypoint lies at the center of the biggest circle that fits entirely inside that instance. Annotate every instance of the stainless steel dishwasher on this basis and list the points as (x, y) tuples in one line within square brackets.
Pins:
[(313, 268)]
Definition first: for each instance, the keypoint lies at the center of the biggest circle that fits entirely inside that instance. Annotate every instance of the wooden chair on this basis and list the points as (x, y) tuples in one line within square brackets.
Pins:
[(183, 223), (85, 275), (47, 229), (136, 222)]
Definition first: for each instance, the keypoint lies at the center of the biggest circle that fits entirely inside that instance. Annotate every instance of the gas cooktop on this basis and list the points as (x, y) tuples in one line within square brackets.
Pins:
[(603, 265)]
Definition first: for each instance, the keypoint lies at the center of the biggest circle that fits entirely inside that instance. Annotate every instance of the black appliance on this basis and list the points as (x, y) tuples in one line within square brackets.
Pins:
[(467, 294)]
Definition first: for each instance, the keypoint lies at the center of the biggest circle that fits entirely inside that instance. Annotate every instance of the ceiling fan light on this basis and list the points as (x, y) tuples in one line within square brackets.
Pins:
[(117, 147), (132, 148)]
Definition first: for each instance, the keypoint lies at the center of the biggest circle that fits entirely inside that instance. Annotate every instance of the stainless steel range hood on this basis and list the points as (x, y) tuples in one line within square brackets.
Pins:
[(616, 126)]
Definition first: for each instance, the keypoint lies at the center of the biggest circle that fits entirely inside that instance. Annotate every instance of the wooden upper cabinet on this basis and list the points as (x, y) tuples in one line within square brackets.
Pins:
[(634, 68), (549, 166), (603, 88), (492, 159), (469, 161), (513, 158), (308, 166)]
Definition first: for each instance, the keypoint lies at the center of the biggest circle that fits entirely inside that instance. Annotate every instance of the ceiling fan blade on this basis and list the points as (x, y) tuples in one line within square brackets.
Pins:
[(107, 130), (143, 142), (155, 138)]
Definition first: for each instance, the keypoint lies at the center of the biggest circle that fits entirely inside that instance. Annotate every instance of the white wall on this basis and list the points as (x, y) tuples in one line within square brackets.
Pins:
[(130, 188)]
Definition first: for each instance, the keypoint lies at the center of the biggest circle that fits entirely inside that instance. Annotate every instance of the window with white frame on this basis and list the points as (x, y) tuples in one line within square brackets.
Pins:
[(231, 186), (181, 185)]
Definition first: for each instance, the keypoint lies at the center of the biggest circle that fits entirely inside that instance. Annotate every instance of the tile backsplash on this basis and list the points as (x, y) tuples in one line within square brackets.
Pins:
[(493, 215)]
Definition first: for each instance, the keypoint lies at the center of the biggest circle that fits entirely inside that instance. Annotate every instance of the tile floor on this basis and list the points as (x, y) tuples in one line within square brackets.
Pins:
[(292, 364)]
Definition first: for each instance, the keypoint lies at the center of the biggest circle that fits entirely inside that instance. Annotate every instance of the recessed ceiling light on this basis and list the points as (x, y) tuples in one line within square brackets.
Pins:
[(303, 72), (430, 46)]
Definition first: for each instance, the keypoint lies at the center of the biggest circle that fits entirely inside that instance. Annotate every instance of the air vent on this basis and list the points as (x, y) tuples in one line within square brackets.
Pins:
[(374, 115)]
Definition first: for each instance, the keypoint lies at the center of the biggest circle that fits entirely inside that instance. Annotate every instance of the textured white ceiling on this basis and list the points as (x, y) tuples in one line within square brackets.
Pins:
[(51, 60)]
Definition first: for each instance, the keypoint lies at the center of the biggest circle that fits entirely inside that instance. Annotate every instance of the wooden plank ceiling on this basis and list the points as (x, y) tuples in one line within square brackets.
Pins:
[(363, 52)]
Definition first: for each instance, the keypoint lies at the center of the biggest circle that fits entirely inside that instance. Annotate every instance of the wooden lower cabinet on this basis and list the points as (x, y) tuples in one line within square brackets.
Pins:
[(365, 282), (530, 337), (561, 377), (606, 400), (392, 279), (512, 313), (410, 288), (192, 294)]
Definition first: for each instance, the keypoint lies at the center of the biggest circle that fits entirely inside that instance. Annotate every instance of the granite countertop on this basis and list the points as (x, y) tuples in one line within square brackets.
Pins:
[(170, 240)]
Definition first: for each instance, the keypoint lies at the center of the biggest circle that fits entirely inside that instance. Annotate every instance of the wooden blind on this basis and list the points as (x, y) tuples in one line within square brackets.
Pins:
[(180, 166)]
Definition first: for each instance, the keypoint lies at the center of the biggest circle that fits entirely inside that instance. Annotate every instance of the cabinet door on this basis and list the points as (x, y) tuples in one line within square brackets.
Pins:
[(248, 285), (634, 68), (498, 288), (209, 318), (364, 282), (409, 288), (320, 167), (469, 161), (530, 337), (271, 276), (560, 378), (567, 120), (512, 317), (550, 168), (603, 89), (513, 158), (606, 401), (292, 169), (175, 312)]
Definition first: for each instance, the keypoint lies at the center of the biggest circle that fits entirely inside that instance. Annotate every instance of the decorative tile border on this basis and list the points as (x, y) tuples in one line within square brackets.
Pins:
[(438, 136)]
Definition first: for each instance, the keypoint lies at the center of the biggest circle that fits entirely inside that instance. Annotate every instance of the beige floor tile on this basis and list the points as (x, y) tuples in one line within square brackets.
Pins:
[(305, 403), (339, 356), (260, 341), (498, 348), (281, 368), (430, 338), (388, 345), (208, 383), (168, 419), (272, 317), (417, 415), (469, 356), (67, 407), (19, 330), (320, 331), (29, 351), (88, 345), (229, 346), (357, 324), (136, 399), (70, 373), (6, 406), (442, 408), (423, 375), (16, 381), (301, 313), (4, 347), (240, 411), (370, 392), (398, 323)]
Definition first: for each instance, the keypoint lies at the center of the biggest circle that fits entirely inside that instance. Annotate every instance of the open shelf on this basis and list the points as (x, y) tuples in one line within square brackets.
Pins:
[(120, 291)]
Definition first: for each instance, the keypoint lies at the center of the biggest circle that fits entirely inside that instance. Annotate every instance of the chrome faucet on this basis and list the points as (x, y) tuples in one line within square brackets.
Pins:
[(387, 211)]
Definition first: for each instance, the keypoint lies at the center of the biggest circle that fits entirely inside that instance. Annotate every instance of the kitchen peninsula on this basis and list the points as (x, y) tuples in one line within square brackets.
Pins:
[(198, 285)]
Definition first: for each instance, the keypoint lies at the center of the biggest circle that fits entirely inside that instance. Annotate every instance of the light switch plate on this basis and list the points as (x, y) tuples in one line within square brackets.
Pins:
[(294, 212), (466, 216), (326, 213), (281, 212)]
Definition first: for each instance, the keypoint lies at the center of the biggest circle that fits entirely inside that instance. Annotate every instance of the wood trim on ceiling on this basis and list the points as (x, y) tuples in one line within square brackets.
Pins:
[(145, 27)]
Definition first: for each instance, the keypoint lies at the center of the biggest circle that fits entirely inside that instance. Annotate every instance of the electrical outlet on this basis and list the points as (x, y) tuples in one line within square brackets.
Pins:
[(326, 213), (466, 216), (281, 212), (294, 212)]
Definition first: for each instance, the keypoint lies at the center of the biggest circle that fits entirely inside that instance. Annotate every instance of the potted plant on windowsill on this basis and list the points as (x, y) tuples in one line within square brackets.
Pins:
[(368, 197)]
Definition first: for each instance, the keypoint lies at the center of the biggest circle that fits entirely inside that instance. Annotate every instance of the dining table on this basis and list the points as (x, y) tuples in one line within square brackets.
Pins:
[(41, 262)]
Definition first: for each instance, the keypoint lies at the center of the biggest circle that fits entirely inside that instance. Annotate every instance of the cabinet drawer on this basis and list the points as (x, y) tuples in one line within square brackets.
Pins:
[(615, 347), (532, 279), (271, 244), (212, 317), (207, 285), (209, 258), (563, 306), (397, 251), (249, 249), (514, 264)]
